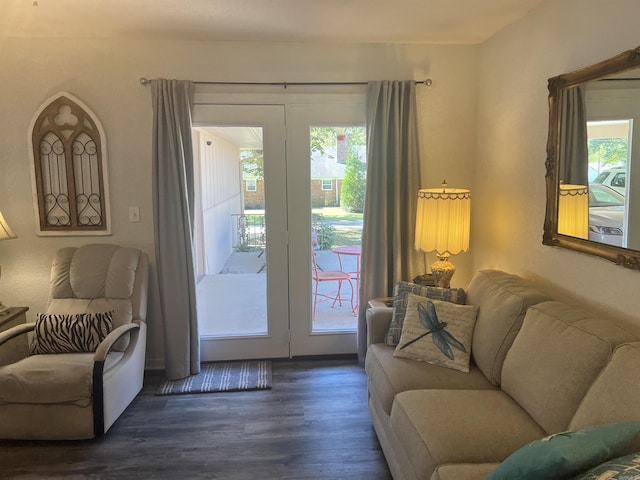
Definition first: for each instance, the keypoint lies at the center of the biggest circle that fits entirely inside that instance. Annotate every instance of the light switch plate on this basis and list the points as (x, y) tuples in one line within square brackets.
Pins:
[(134, 214)]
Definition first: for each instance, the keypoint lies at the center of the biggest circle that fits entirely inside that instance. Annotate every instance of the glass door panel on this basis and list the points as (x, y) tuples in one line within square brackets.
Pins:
[(240, 231), (325, 148), (338, 184)]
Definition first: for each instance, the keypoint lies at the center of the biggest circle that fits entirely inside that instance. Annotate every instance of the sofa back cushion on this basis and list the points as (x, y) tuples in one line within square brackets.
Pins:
[(614, 395), (98, 278), (555, 358), (502, 300)]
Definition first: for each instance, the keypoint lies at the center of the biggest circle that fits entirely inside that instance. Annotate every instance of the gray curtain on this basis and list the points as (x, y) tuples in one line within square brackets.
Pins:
[(393, 181), (574, 154), (173, 197)]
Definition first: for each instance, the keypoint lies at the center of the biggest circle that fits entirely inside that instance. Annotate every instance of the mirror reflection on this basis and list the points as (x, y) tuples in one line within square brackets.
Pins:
[(593, 160), (598, 119)]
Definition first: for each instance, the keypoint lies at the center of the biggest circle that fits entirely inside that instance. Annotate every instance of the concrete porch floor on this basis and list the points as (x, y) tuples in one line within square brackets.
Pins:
[(234, 302)]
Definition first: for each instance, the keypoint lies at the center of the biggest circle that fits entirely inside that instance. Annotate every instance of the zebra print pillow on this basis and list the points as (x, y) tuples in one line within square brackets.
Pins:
[(70, 333)]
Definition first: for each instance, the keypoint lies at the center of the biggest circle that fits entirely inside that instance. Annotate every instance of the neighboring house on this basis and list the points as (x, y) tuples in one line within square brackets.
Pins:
[(326, 181)]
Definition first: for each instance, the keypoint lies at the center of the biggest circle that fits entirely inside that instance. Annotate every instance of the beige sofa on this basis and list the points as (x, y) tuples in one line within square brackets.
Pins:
[(538, 367)]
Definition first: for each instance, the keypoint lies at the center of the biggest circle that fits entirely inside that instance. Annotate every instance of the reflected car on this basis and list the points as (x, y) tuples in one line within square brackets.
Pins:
[(615, 178), (606, 215)]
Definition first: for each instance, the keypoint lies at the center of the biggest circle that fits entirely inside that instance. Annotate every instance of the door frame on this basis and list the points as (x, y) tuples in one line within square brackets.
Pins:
[(301, 340)]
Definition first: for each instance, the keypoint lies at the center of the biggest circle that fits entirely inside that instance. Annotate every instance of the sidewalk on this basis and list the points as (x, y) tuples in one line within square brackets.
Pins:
[(234, 302)]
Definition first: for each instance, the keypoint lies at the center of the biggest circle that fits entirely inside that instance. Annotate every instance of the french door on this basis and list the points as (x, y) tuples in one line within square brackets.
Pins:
[(280, 287), (308, 335)]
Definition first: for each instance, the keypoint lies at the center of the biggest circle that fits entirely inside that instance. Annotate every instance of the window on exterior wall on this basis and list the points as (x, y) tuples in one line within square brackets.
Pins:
[(69, 174), (327, 184), (251, 185)]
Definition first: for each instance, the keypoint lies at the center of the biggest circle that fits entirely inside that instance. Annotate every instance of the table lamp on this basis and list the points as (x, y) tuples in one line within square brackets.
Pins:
[(443, 221), (5, 234), (573, 211)]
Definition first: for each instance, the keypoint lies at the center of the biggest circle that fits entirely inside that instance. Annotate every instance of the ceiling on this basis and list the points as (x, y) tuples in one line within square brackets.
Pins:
[(345, 21), (243, 137)]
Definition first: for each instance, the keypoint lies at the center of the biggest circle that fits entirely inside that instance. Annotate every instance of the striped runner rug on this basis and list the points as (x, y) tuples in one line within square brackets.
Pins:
[(222, 377)]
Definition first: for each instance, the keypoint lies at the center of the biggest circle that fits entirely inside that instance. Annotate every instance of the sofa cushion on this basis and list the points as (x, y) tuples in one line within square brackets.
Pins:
[(555, 358), (389, 376), (77, 333), (97, 278), (614, 395), (400, 291), (437, 332), (502, 299), (438, 427), (51, 378), (567, 453), (463, 471)]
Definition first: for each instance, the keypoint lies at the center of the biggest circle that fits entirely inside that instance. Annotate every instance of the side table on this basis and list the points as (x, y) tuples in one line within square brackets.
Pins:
[(17, 347), (381, 302)]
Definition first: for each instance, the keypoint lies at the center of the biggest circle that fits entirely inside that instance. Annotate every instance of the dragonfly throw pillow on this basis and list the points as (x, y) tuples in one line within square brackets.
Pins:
[(437, 332), (400, 292)]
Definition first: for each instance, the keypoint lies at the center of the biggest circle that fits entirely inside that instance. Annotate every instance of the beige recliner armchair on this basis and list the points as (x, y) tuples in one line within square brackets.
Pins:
[(74, 395)]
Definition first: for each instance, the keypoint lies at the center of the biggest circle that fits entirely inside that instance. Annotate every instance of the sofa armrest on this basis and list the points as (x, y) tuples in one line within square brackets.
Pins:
[(378, 321), (105, 346), (16, 331)]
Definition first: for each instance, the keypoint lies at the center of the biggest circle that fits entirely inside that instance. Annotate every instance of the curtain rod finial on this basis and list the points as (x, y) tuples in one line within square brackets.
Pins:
[(144, 81)]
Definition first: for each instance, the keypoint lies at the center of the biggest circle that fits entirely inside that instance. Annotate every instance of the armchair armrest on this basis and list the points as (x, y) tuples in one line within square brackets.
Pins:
[(106, 344), (16, 331), (378, 321)]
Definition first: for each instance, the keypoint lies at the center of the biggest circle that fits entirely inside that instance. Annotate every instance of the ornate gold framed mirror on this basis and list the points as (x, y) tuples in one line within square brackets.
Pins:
[(593, 160)]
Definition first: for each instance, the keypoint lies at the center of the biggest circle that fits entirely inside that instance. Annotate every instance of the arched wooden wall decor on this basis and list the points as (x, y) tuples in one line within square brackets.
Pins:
[(68, 156)]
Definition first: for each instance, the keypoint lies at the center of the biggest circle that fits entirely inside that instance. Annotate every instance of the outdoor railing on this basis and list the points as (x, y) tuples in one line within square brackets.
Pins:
[(251, 231)]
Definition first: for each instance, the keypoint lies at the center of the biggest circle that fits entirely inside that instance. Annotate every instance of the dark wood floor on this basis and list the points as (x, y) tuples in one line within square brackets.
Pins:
[(313, 424)]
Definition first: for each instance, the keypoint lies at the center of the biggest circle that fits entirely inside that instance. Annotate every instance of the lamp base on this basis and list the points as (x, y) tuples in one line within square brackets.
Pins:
[(443, 271)]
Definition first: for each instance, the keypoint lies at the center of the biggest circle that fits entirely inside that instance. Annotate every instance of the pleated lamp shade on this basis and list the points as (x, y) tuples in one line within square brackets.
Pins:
[(573, 211), (443, 220)]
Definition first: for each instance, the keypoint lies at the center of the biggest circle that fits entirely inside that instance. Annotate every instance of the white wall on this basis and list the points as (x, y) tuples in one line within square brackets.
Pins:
[(509, 201), (221, 198), (105, 74)]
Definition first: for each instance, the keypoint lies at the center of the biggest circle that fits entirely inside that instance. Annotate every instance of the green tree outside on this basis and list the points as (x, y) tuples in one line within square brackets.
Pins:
[(252, 162), (608, 152), (355, 179), (354, 185)]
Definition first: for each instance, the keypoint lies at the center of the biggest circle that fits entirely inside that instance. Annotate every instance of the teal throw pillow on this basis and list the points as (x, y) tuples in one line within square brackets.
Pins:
[(622, 468), (567, 453)]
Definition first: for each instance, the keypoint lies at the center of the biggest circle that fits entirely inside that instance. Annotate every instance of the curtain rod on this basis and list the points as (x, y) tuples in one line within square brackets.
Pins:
[(427, 82)]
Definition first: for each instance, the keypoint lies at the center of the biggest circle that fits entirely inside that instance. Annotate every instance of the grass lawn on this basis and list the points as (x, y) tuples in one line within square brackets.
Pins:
[(347, 226), (347, 237), (337, 214)]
